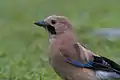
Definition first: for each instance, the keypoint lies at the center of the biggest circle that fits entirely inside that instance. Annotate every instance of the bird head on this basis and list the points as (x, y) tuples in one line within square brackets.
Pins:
[(55, 25)]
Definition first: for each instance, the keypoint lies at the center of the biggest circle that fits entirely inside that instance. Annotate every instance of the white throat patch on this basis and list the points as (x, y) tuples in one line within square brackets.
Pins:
[(52, 38)]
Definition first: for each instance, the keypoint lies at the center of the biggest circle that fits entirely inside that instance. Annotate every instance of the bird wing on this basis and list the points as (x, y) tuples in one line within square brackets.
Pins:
[(99, 64), (94, 61), (105, 64)]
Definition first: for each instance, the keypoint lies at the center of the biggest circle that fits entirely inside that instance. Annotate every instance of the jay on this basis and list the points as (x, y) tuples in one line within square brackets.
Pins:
[(70, 59)]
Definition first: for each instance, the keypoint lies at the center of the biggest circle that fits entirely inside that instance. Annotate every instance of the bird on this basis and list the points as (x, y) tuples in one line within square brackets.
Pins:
[(69, 58)]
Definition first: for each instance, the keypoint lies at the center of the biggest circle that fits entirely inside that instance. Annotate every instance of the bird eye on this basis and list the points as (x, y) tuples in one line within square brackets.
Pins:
[(53, 21)]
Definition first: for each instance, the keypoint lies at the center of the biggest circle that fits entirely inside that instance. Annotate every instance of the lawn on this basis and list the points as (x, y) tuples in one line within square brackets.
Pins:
[(23, 46)]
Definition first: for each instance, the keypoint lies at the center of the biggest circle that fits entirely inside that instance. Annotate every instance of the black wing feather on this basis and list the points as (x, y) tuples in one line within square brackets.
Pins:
[(102, 63), (112, 64)]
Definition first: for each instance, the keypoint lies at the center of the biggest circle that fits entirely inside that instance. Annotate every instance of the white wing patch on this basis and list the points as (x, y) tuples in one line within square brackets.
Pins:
[(106, 75)]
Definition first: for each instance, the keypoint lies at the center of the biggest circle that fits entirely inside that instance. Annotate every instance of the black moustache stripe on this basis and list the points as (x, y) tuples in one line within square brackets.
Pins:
[(51, 29)]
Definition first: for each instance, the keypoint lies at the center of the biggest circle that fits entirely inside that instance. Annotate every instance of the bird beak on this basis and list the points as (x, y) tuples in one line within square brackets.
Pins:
[(41, 23)]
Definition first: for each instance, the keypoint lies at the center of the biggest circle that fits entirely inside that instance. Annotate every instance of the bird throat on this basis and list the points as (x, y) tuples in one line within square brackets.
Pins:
[(52, 38)]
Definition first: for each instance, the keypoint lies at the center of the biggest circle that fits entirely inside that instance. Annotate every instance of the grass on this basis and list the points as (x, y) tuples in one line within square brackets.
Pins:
[(23, 47)]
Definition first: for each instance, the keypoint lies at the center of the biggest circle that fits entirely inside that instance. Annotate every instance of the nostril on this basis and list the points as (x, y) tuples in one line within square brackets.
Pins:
[(41, 23)]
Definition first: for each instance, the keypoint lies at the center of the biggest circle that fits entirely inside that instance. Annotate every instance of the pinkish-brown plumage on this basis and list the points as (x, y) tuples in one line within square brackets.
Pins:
[(64, 44)]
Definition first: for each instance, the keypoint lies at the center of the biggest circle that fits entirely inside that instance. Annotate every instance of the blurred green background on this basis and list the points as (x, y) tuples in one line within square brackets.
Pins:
[(23, 46)]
